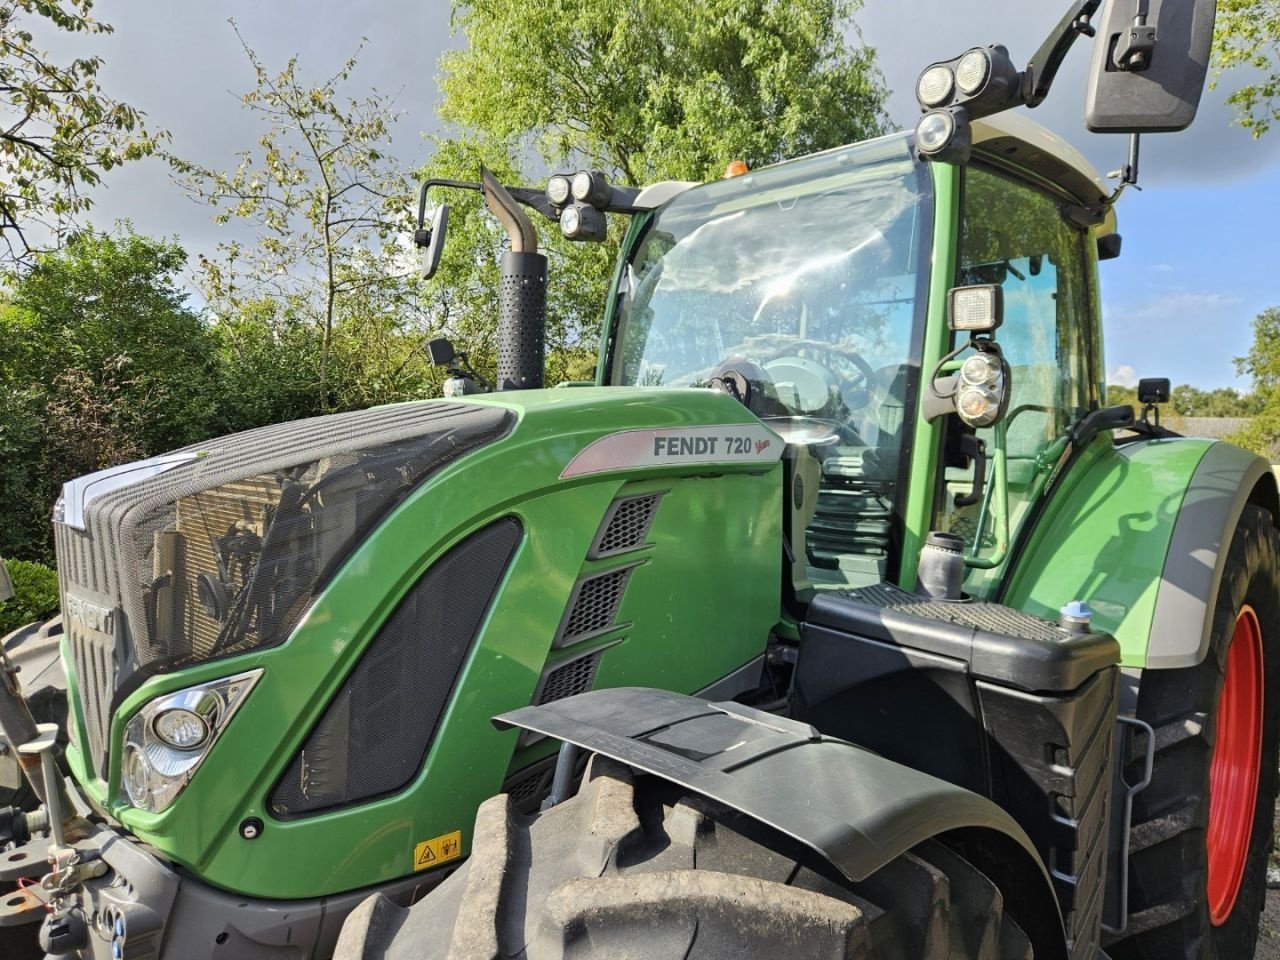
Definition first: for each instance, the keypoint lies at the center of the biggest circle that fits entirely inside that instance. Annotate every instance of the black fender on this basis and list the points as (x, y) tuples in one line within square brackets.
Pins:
[(1226, 479), (854, 808)]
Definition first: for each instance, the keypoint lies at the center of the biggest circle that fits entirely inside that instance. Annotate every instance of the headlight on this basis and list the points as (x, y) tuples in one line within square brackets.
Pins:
[(934, 131), (591, 186), (981, 391), (558, 190), (978, 406), (934, 86), (167, 740), (972, 70), (582, 222)]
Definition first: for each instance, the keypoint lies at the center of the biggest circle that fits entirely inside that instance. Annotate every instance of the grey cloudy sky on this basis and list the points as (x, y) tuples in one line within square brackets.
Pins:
[(1199, 243)]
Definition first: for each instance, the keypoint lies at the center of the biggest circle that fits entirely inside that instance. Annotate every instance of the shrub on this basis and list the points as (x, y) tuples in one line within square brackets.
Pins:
[(35, 595)]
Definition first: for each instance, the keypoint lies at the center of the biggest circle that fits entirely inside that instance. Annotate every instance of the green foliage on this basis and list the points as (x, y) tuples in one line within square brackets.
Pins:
[(101, 362), (1247, 35), (645, 91), (35, 595), (62, 131), (1262, 365), (660, 89), (329, 204)]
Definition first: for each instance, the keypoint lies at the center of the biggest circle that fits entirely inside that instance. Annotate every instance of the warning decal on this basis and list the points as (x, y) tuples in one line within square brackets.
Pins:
[(442, 849)]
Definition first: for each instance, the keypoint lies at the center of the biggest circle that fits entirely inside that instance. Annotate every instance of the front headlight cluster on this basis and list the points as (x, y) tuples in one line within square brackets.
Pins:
[(168, 739)]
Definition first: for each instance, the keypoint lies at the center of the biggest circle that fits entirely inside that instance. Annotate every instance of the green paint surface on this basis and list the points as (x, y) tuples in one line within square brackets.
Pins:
[(699, 605), (1104, 537), (918, 508)]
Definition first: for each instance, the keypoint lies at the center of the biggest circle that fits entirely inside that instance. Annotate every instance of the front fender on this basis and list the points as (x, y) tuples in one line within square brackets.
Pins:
[(852, 807), (1141, 532)]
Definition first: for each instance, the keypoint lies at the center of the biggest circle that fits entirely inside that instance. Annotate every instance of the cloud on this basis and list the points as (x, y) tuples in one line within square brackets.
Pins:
[(1177, 303), (1161, 268), (1123, 376)]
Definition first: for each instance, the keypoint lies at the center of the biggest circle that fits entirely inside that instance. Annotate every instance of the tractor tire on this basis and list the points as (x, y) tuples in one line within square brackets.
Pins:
[(636, 868), (34, 650), (1202, 830)]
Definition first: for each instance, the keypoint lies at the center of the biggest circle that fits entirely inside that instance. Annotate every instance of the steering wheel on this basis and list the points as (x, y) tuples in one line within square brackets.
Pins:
[(812, 381)]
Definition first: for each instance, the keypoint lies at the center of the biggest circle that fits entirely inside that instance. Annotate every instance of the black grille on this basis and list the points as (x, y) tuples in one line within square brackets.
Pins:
[(93, 659), (375, 734), (568, 679), (594, 606), (625, 525)]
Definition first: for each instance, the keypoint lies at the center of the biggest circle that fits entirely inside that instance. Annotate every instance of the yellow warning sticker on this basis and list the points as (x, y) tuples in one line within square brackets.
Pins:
[(437, 850)]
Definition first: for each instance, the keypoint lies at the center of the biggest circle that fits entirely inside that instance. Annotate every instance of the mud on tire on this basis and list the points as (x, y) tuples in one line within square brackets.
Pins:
[(635, 868)]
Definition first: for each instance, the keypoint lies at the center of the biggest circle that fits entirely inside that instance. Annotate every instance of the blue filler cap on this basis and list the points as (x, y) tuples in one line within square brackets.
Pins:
[(1076, 616)]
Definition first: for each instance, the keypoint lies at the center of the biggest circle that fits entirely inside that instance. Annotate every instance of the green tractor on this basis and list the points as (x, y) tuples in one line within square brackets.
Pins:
[(838, 616)]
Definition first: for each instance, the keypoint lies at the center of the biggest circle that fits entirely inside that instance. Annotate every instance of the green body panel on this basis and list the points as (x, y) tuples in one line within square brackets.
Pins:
[(1104, 537), (699, 606), (918, 505)]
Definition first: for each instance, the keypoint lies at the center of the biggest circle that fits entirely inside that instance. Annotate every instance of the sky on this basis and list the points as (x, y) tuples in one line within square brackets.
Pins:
[(1200, 245)]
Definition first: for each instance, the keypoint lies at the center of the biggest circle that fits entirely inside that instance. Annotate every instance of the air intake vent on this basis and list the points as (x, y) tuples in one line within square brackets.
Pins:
[(568, 679), (594, 606), (625, 525), (375, 734)]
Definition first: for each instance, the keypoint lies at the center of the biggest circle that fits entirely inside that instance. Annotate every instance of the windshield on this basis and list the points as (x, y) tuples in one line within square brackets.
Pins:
[(797, 287)]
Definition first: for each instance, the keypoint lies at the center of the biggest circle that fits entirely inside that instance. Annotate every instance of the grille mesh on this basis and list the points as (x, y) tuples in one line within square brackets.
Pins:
[(626, 525), (95, 669), (568, 679), (595, 605), (374, 736)]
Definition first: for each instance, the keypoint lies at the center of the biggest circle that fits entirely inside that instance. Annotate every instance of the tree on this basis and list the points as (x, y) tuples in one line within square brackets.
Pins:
[(1247, 35), (662, 89), (644, 91), (101, 361), (62, 131), (1262, 365), (330, 204)]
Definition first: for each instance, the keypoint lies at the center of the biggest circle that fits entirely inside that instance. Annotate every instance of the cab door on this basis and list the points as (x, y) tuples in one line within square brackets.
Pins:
[(1013, 233)]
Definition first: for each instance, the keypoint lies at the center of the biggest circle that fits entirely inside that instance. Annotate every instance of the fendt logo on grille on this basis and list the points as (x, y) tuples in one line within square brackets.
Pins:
[(91, 616)]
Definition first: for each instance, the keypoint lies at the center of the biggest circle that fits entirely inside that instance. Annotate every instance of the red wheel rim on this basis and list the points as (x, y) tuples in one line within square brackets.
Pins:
[(1233, 776)]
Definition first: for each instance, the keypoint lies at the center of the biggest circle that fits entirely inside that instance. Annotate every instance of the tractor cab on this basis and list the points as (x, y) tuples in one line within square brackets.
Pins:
[(804, 290)]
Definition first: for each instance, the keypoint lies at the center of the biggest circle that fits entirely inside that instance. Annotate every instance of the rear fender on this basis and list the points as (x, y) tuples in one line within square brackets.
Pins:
[(1141, 532), (853, 808)]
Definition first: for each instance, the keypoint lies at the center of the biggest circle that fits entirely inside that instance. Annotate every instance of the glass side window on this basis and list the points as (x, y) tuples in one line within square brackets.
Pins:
[(801, 279), (1015, 235)]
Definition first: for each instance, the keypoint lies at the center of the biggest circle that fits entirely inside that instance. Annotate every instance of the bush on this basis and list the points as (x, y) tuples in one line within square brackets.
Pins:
[(35, 595)]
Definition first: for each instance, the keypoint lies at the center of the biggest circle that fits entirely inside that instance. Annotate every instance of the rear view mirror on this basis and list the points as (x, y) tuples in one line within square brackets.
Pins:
[(1148, 73), (435, 243)]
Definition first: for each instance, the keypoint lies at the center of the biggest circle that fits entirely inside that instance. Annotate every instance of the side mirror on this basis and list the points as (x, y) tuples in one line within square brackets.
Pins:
[(1149, 71), (1153, 390), (434, 242), (441, 351), (6, 583)]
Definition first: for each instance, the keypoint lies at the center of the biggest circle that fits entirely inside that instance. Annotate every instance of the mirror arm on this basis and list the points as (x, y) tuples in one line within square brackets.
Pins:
[(1043, 66), (422, 235)]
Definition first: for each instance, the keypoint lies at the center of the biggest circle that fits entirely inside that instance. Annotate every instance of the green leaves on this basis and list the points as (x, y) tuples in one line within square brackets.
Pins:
[(1247, 35), (646, 91), (329, 204), (62, 131)]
